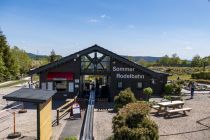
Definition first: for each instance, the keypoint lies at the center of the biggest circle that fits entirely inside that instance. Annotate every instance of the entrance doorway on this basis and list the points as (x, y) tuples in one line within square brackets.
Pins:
[(99, 83)]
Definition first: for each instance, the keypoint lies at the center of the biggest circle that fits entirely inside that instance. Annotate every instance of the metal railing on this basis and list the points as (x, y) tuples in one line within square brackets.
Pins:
[(88, 124)]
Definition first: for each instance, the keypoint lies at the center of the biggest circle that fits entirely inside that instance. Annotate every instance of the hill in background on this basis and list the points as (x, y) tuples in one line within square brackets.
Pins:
[(35, 56), (133, 58), (146, 58)]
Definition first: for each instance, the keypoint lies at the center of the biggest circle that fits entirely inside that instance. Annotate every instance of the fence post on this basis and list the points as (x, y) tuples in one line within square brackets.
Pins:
[(57, 117), (14, 121)]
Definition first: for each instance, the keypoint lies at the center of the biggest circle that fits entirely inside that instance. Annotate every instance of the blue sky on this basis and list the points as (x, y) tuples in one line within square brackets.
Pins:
[(128, 27)]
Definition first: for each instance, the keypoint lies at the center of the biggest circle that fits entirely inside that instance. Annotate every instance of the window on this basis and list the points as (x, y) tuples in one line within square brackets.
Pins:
[(119, 85), (95, 62), (49, 85), (71, 87), (44, 86), (139, 85), (61, 85)]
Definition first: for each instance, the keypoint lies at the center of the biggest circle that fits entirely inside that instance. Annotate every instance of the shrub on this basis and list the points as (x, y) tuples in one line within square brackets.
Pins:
[(201, 75), (168, 89), (71, 138), (132, 123), (125, 96), (148, 91), (172, 89)]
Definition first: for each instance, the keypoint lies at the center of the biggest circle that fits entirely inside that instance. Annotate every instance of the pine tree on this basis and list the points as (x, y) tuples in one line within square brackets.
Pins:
[(11, 69)]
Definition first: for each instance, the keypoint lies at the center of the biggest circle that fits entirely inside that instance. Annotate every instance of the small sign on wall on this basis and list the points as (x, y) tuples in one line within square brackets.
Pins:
[(49, 85), (43, 86), (76, 86), (71, 86), (76, 81)]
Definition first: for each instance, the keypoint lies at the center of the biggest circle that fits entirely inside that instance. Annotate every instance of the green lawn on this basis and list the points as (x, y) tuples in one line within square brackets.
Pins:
[(181, 77)]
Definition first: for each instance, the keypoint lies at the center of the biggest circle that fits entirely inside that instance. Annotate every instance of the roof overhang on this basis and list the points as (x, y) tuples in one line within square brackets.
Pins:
[(30, 95), (92, 49)]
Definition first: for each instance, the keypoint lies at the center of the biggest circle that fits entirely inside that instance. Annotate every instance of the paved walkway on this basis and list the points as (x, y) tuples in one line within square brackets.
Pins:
[(13, 81), (196, 92), (72, 128)]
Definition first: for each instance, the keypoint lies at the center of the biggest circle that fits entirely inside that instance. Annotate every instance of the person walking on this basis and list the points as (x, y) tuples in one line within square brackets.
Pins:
[(192, 89)]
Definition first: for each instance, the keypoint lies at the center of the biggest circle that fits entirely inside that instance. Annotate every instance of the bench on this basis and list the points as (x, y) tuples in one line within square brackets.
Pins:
[(168, 112), (156, 107)]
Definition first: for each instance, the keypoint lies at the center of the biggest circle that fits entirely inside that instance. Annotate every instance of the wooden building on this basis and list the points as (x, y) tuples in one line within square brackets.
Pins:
[(108, 72)]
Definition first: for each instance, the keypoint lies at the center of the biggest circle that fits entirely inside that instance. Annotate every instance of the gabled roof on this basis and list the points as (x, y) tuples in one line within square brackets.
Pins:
[(89, 50)]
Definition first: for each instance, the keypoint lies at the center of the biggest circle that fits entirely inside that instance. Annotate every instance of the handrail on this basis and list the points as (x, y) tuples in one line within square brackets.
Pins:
[(66, 104), (60, 109)]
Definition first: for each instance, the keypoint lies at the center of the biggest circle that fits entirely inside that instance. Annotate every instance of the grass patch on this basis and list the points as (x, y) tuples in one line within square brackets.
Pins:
[(181, 77)]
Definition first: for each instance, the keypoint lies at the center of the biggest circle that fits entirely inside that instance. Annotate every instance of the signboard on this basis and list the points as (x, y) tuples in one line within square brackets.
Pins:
[(76, 86), (43, 86), (71, 87), (76, 110), (76, 81), (49, 85), (128, 75)]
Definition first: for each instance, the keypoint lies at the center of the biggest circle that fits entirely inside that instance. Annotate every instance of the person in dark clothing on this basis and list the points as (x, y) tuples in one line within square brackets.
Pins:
[(192, 89)]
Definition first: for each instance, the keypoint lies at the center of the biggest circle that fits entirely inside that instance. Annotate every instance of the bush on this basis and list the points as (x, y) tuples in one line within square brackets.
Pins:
[(168, 89), (71, 138), (172, 89), (126, 96), (132, 123), (201, 75), (148, 91)]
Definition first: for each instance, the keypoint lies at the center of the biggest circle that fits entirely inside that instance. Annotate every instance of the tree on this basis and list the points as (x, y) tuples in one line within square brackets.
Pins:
[(11, 70), (22, 59), (53, 57), (185, 63), (196, 61), (130, 58), (205, 62), (175, 60), (2, 69), (165, 60), (142, 62)]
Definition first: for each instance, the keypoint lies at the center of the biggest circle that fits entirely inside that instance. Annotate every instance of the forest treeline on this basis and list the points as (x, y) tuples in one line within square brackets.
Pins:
[(15, 62), (176, 61)]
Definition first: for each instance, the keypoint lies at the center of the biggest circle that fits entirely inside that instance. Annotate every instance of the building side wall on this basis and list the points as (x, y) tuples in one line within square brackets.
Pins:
[(46, 120), (126, 69), (133, 82), (71, 66)]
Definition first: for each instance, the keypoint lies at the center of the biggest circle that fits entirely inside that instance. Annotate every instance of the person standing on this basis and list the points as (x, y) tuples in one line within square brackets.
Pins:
[(192, 89)]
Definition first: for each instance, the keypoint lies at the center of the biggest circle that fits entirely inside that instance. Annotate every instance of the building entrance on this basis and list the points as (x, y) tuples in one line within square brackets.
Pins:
[(99, 83)]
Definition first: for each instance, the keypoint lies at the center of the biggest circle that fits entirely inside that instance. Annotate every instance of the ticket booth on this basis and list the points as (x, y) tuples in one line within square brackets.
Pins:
[(43, 101)]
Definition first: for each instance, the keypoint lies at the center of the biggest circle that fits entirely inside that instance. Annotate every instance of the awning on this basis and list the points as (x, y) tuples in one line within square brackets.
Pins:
[(60, 75)]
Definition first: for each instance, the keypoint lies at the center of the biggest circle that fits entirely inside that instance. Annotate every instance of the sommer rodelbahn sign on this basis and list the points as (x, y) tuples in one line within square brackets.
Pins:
[(126, 76)]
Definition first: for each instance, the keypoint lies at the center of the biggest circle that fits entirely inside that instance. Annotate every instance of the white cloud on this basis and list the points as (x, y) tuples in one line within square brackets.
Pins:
[(98, 19), (93, 20), (104, 16), (188, 48)]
